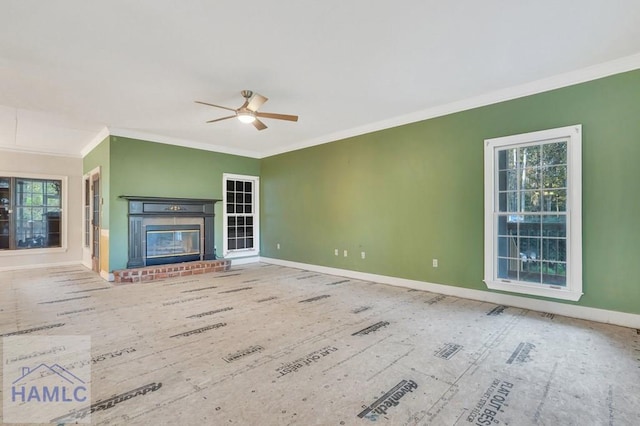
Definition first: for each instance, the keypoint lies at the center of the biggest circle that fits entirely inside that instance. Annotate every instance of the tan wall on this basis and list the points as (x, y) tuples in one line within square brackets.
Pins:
[(16, 163)]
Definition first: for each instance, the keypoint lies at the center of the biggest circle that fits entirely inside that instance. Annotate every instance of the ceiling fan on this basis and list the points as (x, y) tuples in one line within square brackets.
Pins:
[(248, 112)]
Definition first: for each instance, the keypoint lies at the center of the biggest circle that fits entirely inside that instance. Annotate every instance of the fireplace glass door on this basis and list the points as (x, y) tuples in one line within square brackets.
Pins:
[(172, 244)]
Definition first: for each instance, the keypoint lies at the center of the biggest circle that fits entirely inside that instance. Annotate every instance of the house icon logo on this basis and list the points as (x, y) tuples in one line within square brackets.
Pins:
[(48, 384)]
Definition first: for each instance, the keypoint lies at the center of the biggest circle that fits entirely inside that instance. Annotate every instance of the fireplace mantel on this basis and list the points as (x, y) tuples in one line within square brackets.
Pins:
[(143, 209)]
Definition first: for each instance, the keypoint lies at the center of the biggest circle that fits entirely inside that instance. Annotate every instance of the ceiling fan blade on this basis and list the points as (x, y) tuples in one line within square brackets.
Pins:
[(277, 116), (256, 102), (220, 119), (214, 105), (259, 124)]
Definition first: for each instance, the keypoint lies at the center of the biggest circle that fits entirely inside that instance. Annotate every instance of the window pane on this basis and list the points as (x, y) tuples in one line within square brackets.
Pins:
[(508, 201), (554, 249), (52, 200), (530, 225), (503, 265), (530, 201), (554, 153), (554, 226), (529, 156), (555, 177), (530, 271), (505, 246), (554, 201), (531, 178), (37, 214), (529, 249), (507, 159), (53, 188), (554, 273), (502, 225)]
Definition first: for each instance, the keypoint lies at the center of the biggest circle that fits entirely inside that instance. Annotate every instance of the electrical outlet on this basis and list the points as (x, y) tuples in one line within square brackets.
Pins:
[(363, 255), (278, 246), (345, 253), (336, 252), (434, 262)]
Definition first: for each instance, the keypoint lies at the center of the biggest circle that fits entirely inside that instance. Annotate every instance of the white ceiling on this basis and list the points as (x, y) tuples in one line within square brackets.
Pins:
[(73, 70)]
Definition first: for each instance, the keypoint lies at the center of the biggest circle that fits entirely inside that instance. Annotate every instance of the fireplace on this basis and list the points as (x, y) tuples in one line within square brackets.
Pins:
[(172, 244), (169, 230)]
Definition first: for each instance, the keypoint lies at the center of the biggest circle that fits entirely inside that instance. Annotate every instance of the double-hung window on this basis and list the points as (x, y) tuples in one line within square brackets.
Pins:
[(241, 204), (533, 223)]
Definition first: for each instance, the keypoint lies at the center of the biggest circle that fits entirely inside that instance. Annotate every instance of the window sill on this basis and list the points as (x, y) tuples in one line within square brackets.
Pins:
[(32, 252), (241, 253), (535, 290)]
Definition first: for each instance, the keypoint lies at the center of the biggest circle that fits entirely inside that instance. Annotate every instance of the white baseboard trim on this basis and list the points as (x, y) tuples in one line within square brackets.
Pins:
[(581, 312), (40, 265), (245, 260)]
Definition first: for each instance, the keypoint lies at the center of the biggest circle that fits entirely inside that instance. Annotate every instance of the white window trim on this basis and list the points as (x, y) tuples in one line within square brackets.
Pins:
[(255, 251), (63, 208), (573, 290)]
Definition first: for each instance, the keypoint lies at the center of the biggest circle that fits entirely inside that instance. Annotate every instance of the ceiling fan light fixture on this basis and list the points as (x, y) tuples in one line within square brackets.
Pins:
[(248, 112), (246, 116)]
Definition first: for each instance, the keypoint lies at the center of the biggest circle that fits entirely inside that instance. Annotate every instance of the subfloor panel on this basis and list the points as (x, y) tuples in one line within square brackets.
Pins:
[(263, 344)]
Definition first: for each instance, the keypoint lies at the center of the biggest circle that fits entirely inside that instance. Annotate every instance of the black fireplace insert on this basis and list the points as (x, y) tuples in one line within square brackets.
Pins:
[(169, 230)]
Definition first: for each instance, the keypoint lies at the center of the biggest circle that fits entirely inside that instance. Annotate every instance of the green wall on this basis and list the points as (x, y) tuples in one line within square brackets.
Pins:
[(136, 167), (412, 193)]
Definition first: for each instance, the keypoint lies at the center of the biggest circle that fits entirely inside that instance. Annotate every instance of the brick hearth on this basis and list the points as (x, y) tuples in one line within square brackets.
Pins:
[(149, 273)]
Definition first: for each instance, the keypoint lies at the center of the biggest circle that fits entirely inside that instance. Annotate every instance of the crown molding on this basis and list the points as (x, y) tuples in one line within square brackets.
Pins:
[(134, 134), (99, 137), (628, 63), (39, 151), (618, 66)]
